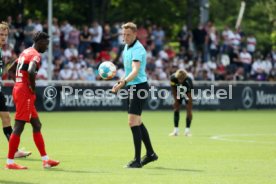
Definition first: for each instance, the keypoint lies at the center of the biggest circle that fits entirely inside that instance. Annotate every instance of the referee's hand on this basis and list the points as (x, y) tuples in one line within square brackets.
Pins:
[(118, 86)]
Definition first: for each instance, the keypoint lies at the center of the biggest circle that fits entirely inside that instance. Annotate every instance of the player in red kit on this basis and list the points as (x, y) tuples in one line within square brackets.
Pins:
[(25, 68)]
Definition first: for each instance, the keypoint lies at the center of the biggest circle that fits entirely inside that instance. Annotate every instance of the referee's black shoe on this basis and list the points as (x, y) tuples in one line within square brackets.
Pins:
[(134, 164), (149, 158)]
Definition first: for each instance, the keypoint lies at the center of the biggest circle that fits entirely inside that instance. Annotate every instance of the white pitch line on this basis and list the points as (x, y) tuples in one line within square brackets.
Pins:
[(222, 138)]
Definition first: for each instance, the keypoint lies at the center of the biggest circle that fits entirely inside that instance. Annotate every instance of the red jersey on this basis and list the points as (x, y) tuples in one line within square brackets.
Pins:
[(28, 55)]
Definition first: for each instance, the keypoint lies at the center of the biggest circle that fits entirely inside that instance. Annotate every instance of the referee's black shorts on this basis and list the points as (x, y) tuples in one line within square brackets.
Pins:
[(3, 107), (137, 99)]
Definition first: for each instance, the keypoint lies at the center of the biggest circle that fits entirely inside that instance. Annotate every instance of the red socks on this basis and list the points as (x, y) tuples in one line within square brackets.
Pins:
[(13, 145), (39, 142)]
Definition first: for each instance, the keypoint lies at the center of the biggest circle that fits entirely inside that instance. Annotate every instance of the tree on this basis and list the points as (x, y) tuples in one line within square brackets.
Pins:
[(170, 14)]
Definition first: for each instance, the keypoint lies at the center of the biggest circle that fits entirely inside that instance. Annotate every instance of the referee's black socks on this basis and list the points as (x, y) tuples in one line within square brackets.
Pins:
[(7, 131), (146, 139), (137, 140)]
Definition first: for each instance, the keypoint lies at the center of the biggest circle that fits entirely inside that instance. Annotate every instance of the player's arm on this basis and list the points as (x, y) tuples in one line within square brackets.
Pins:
[(174, 92), (189, 104), (135, 69), (176, 104), (190, 100), (32, 74), (11, 68), (173, 88)]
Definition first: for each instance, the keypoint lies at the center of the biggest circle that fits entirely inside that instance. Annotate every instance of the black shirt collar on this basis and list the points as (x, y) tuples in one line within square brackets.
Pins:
[(131, 45)]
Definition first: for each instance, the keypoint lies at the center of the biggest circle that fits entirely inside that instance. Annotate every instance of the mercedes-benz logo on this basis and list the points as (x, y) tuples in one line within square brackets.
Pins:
[(49, 104), (153, 103), (247, 97)]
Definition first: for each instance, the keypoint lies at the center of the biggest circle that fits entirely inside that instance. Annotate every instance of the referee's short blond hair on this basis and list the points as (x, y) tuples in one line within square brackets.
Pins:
[(130, 25), (4, 26), (181, 74)]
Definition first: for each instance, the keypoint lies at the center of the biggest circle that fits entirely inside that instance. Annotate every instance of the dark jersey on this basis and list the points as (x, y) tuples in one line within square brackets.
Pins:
[(188, 83), (1, 64), (1, 69)]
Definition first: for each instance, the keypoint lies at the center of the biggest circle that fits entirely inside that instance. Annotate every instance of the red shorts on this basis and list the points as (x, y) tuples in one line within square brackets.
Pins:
[(24, 101)]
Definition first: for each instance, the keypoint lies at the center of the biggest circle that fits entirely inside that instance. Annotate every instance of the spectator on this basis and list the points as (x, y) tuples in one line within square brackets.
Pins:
[(235, 39), (199, 38), (66, 73), (210, 67), (71, 52), (158, 38), (29, 31), (12, 31), (142, 35), (161, 64), (65, 28), (56, 32), (19, 34), (251, 44), (213, 43), (239, 75), (37, 25), (114, 35), (97, 32), (183, 37), (227, 32), (89, 75), (107, 38), (85, 40), (246, 60), (74, 37)]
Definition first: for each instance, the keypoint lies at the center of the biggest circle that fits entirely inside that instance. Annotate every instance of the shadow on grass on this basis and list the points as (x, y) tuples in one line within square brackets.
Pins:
[(29, 159), (75, 171), (14, 182), (176, 169)]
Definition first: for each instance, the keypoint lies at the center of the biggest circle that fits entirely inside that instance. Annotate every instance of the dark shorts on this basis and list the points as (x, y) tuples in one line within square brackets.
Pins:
[(182, 100), (137, 99), (3, 106)]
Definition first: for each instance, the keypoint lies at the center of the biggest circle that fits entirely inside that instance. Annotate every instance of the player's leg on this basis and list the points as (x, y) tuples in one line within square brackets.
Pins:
[(134, 123), (150, 155), (39, 141), (38, 138), (141, 100), (13, 145), (22, 115), (5, 117), (146, 139), (189, 117), (176, 117), (6, 123), (7, 129)]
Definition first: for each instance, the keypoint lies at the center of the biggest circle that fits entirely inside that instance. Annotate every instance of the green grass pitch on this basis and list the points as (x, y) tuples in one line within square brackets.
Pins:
[(227, 147)]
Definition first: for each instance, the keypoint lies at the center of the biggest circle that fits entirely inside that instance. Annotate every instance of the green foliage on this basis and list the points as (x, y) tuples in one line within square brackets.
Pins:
[(256, 20), (273, 39), (170, 14)]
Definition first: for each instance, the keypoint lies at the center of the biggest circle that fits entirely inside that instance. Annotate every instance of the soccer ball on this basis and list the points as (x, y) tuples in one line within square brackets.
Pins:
[(107, 70)]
